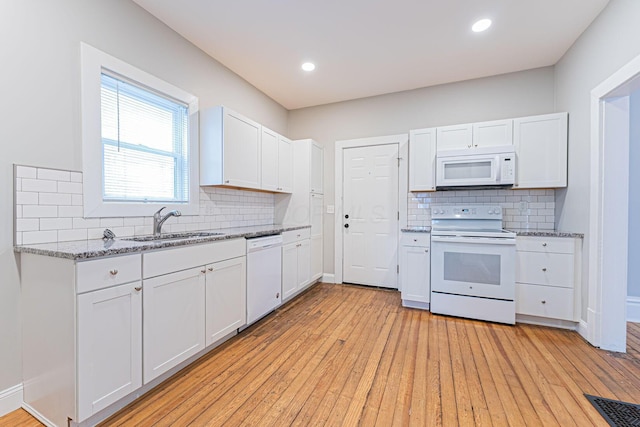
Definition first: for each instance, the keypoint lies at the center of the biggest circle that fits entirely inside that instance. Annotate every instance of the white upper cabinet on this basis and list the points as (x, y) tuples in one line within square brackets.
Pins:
[(541, 151), (494, 133), (454, 137), (317, 164), (422, 160), (230, 149), (277, 166)]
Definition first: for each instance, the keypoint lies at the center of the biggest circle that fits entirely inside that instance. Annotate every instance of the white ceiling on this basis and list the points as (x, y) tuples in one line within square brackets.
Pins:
[(369, 47)]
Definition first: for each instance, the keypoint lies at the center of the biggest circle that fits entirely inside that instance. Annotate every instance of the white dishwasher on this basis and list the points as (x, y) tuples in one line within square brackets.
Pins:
[(264, 276)]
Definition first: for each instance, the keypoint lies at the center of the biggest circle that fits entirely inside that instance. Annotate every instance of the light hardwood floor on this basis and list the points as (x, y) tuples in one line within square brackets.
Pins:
[(347, 355)]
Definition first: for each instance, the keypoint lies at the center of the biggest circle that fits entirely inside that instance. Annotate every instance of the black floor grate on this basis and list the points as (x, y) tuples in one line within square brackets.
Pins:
[(615, 412)]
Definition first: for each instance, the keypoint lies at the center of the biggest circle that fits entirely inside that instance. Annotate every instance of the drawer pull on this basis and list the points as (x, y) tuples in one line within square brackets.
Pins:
[(210, 268), (138, 288), (543, 301), (415, 240), (544, 244), (204, 270), (113, 272), (544, 269)]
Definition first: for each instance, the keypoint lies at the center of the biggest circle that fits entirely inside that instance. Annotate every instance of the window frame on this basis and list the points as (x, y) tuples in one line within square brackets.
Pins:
[(93, 63)]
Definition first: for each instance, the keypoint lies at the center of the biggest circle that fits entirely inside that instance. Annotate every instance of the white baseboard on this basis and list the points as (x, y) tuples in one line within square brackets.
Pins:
[(328, 278), (10, 399), (633, 309), (582, 329)]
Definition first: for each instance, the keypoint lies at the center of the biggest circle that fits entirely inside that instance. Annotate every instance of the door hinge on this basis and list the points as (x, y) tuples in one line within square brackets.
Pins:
[(398, 215), (398, 268)]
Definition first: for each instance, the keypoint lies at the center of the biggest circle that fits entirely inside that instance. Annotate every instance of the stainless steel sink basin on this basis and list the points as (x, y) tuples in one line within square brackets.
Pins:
[(173, 236)]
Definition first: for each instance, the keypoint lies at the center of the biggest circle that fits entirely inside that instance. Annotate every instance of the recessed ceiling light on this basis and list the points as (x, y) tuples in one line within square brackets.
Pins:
[(308, 66), (481, 25)]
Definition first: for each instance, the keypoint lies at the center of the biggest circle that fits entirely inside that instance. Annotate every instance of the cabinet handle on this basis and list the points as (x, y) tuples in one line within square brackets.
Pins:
[(476, 145), (113, 272), (544, 244), (426, 251), (138, 288), (210, 268), (543, 301), (204, 270), (226, 182), (415, 240), (544, 269)]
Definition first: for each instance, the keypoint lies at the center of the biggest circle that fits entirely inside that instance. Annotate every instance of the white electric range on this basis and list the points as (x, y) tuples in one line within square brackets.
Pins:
[(472, 263)]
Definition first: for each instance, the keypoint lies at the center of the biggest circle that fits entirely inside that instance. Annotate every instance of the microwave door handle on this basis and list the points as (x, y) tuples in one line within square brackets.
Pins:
[(498, 168), (482, 241)]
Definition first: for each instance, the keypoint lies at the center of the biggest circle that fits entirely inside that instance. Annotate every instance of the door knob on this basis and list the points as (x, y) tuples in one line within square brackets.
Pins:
[(346, 226), (346, 216)]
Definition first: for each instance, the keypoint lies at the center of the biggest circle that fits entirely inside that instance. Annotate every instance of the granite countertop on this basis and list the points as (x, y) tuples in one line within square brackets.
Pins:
[(85, 249), (547, 233), (425, 229)]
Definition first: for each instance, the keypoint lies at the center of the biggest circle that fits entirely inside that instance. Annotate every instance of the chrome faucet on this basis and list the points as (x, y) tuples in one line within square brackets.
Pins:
[(158, 220)]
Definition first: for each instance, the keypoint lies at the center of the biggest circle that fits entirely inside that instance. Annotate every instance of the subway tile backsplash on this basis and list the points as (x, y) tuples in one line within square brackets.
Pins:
[(521, 209), (48, 207)]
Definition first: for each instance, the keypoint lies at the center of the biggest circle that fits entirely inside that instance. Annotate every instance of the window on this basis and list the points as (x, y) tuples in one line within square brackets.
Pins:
[(139, 140)]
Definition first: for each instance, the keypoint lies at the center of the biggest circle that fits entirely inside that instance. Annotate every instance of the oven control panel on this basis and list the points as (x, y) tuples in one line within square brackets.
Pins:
[(470, 212)]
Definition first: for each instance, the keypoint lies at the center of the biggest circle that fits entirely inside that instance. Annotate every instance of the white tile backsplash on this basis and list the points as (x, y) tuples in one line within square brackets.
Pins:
[(48, 208), (521, 209)]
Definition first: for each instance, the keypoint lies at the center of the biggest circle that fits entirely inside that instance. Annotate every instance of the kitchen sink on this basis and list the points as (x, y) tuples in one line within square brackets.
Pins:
[(173, 236)]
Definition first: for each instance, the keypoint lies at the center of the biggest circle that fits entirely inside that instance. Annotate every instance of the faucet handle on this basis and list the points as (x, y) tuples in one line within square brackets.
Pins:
[(157, 214)]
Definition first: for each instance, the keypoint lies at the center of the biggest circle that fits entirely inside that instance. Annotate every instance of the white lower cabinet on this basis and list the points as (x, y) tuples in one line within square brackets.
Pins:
[(226, 298), (109, 346), (415, 268), (174, 320), (548, 278), (296, 262)]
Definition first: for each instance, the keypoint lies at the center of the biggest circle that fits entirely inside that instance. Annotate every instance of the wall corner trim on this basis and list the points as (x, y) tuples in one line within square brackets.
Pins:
[(10, 399)]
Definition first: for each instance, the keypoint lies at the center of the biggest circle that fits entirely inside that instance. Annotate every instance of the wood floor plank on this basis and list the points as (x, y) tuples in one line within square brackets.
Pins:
[(348, 355)]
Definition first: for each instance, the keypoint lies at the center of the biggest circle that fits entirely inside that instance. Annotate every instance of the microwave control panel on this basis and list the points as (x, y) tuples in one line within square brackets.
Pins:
[(507, 168)]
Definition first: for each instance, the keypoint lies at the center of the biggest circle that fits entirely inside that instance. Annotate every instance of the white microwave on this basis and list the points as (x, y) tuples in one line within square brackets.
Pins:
[(476, 167)]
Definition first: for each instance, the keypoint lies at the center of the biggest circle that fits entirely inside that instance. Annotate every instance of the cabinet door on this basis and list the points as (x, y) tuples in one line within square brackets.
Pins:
[(109, 346), (316, 257), (317, 207), (414, 273), (492, 134), (174, 320), (226, 298), (422, 160), (242, 159), (541, 151), (455, 137), (289, 270), (317, 164), (304, 263), (269, 160), (285, 165)]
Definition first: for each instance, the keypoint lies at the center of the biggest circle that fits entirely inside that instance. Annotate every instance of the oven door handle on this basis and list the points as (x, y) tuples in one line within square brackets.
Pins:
[(477, 240)]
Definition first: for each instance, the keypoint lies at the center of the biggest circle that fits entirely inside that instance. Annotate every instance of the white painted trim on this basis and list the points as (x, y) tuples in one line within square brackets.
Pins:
[(10, 399), (37, 415), (546, 321), (606, 319), (633, 309), (582, 329), (93, 61), (328, 278), (403, 187)]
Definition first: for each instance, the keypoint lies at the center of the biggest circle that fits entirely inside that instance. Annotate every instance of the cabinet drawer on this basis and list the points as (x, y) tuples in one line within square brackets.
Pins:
[(561, 245), (541, 268), (415, 239), (295, 235), (544, 301), (109, 271), (177, 259)]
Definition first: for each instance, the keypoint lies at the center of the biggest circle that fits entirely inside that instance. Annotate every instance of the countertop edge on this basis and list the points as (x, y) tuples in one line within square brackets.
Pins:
[(550, 233), (123, 246)]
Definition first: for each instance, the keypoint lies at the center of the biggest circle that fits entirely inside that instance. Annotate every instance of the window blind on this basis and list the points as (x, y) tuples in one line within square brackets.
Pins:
[(145, 144)]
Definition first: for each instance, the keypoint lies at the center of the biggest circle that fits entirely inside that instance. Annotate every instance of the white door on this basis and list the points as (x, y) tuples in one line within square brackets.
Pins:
[(174, 320), (109, 346), (226, 298), (370, 215)]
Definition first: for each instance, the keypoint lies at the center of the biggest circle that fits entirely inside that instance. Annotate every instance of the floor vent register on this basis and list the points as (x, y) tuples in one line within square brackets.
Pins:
[(615, 412)]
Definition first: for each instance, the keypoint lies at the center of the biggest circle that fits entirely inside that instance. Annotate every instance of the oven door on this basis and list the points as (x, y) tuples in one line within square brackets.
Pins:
[(473, 266)]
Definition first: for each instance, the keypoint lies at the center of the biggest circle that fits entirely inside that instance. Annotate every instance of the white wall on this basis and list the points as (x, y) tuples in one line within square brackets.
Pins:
[(633, 269), (40, 48), (609, 43), (509, 95)]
